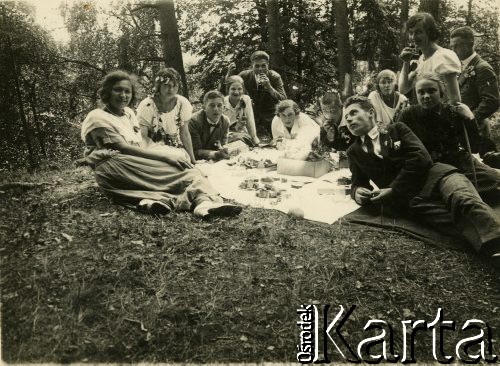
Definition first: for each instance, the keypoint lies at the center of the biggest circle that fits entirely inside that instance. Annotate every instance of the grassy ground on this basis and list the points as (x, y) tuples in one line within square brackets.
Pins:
[(84, 280)]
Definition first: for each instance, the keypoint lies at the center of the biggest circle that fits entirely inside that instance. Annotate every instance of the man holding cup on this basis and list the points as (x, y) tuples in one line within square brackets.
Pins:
[(264, 86)]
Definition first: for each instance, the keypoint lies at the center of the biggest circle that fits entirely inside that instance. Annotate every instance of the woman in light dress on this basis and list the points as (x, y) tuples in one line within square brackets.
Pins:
[(238, 107), (164, 116), (139, 174), (423, 33)]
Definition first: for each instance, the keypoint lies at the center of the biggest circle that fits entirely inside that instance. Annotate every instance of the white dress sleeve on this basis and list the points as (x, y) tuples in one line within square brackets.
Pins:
[(447, 62), (275, 127), (146, 112), (186, 109)]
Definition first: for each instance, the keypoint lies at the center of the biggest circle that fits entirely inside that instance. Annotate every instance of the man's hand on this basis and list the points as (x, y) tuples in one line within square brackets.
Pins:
[(381, 195), (463, 110), (219, 155), (179, 161), (362, 196), (264, 81)]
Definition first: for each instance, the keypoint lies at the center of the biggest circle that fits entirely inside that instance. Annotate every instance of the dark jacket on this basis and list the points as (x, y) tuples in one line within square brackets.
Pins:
[(479, 88), (264, 101), (441, 132), (205, 141), (404, 166)]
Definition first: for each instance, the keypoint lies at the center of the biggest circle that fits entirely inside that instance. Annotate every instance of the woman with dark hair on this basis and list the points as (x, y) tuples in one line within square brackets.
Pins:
[(136, 174), (238, 107), (386, 101), (423, 33), (164, 116)]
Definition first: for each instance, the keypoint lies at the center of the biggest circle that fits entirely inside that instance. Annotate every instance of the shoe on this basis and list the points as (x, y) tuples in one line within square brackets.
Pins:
[(152, 207), (491, 253), (492, 159), (495, 262), (208, 209)]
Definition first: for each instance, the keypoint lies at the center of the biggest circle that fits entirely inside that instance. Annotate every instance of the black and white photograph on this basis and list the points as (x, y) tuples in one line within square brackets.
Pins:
[(254, 181)]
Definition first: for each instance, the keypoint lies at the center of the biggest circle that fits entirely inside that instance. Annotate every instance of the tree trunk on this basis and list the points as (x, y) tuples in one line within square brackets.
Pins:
[(431, 7), (260, 5), (19, 97), (39, 132), (468, 20), (301, 26), (277, 59), (170, 41), (123, 52), (403, 35), (342, 35)]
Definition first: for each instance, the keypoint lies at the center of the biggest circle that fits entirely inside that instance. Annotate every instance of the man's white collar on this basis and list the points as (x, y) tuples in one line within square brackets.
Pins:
[(466, 62)]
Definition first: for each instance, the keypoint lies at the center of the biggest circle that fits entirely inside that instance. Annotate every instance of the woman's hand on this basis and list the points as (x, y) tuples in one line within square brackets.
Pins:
[(178, 161), (407, 54), (231, 68), (330, 132), (256, 140), (463, 110)]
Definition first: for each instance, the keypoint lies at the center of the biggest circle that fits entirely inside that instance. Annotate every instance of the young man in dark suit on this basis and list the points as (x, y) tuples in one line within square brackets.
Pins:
[(478, 89), (209, 128), (264, 86), (398, 163)]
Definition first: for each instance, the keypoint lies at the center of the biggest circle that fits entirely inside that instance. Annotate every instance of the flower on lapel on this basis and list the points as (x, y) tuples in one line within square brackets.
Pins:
[(397, 145), (468, 72)]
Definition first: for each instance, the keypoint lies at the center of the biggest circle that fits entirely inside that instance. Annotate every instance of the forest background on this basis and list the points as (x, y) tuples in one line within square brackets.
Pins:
[(48, 86)]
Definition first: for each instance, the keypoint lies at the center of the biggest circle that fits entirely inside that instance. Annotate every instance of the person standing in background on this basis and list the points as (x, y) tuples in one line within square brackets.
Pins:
[(478, 89), (265, 88)]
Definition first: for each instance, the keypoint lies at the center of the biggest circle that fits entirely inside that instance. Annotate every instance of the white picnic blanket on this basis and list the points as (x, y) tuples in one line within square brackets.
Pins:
[(227, 175)]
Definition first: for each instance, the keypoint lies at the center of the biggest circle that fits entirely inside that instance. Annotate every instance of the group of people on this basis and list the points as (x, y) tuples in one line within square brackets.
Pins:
[(418, 155)]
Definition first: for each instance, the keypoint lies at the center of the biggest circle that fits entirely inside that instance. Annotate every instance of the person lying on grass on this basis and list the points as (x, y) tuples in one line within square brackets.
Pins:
[(238, 108), (435, 193), (293, 130), (209, 128), (385, 99), (150, 178), (440, 127)]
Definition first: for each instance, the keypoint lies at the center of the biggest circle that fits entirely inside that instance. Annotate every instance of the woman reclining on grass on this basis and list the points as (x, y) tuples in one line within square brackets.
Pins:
[(151, 179)]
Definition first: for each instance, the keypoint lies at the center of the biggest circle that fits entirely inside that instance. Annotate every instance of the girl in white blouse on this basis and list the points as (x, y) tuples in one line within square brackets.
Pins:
[(423, 33), (164, 116), (238, 107)]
